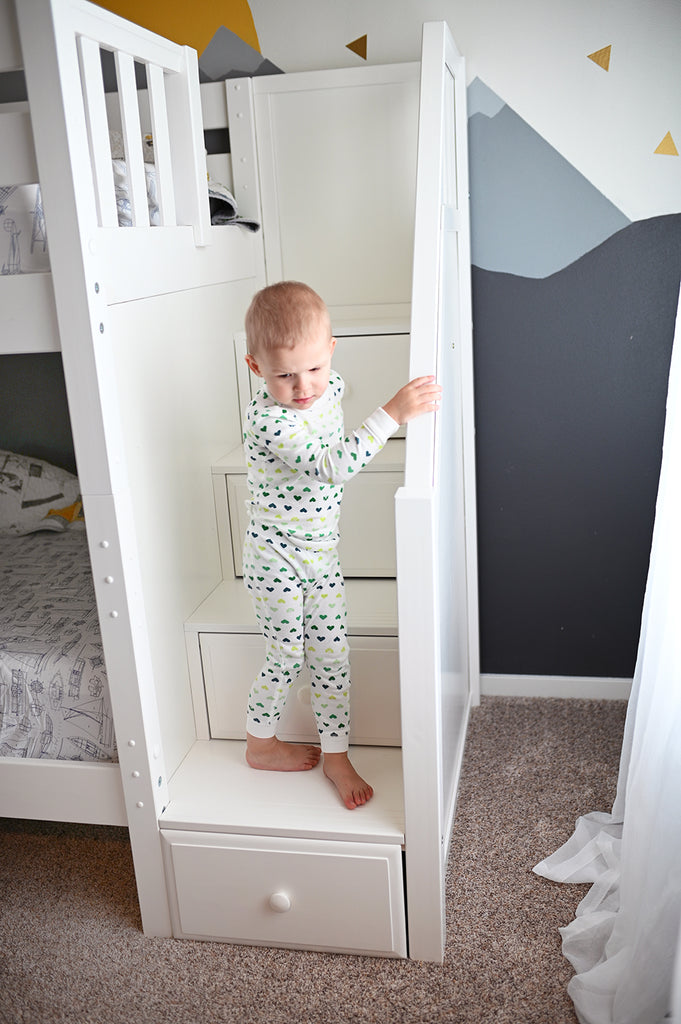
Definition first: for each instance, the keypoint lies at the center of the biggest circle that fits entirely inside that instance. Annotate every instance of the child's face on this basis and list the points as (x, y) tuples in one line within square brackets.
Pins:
[(297, 377)]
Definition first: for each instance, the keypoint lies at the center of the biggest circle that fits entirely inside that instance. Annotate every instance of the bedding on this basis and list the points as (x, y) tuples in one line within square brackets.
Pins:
[(23, 243), (54, 697), (23, 240), (223, 208), (35, 495)]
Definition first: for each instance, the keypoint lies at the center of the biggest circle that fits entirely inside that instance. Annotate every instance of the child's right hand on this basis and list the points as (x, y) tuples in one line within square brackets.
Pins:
[(419, 396)]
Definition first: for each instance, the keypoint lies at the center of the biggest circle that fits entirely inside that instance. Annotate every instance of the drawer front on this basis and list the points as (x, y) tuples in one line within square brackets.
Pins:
[(231, 661), (301, 893), (367, 524)]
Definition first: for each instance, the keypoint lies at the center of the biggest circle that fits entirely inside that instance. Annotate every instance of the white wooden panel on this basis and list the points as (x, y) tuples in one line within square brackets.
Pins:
[(336, 152), (45, 790), (187, 147), (17, 159), (435, 555), (97, 127), (148, 262), (214, 790), (29, 316), (303, 893), (240, 106), (374, 367), (231, 663), (161, 140), (177, 403)]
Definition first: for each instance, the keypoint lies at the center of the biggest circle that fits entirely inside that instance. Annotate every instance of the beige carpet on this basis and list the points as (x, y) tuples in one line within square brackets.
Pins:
[(71, 949)]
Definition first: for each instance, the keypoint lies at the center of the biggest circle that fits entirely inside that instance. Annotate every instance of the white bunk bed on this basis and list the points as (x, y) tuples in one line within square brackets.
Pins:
[(144, 318), (61, 138)]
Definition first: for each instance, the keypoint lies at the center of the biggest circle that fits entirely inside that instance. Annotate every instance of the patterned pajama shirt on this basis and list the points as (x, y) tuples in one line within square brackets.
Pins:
[(298, 463)]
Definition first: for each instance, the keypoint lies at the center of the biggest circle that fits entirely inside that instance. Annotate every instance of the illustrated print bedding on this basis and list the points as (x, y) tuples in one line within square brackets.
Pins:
[(54, 696)]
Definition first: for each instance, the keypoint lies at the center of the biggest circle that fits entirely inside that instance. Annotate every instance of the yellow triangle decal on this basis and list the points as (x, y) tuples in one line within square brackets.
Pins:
[(359, 46), (667, 147), (602, 57)]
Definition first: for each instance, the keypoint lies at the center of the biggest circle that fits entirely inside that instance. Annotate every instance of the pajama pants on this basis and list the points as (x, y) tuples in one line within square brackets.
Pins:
[(299, 600)]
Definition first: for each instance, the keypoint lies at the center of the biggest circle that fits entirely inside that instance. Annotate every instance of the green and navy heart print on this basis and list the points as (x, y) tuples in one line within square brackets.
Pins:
[(299, 600), (298, 463)]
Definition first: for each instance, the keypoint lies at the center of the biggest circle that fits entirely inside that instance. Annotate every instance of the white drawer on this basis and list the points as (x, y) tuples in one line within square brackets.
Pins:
[(300, 893), (367, 523), (231, 662)]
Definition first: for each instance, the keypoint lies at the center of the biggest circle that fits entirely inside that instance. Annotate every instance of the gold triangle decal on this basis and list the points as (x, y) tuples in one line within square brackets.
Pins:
[(602, 57), (359, 46), (667, 147)]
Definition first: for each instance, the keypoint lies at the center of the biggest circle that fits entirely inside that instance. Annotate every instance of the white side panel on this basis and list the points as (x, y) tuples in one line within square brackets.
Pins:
[(173, 371), (62, 791), (336, 151), (437, 595)]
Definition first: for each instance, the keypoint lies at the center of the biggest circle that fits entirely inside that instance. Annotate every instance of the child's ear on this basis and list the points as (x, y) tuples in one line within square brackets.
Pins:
[(333, 345), (253, 365)]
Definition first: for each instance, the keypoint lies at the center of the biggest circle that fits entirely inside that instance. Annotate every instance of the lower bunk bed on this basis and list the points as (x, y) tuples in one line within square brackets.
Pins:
[(91, 151), (58, 757)]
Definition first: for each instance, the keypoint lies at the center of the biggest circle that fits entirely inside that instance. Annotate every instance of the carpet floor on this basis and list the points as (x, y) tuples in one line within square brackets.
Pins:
[(72, 950)]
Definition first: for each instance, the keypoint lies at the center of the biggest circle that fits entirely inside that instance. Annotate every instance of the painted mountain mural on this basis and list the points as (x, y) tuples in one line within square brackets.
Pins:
[(574, 310), (532, 212), (571, 378)]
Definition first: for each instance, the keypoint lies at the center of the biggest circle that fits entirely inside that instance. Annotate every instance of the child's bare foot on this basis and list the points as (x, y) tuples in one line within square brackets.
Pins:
[(273, 755), (352, 788)]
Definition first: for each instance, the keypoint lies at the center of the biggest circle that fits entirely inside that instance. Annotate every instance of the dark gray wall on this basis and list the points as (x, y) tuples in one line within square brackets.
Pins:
[(571, 376), (34, 416)]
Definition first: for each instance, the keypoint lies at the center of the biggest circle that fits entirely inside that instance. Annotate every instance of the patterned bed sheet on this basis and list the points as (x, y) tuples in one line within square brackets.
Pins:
[(54, 696)]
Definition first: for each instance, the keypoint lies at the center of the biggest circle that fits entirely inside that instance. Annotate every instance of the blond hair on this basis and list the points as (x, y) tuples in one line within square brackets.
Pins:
[(281, 315)]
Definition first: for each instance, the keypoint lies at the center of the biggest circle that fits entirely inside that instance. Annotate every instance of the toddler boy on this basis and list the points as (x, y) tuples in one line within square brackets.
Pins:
[(298, 461)]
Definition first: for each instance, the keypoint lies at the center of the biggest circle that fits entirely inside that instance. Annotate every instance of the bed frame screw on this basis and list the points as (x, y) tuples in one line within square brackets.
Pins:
[(96, 287), (101, 328)]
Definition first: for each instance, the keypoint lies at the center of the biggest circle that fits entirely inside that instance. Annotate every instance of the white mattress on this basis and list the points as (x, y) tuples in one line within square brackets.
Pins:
[(54, 696)]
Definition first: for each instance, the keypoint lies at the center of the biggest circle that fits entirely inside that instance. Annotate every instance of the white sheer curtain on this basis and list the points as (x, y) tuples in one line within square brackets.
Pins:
[(624, 940)]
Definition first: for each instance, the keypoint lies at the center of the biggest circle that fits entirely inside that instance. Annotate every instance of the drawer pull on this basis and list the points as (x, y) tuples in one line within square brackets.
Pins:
[(280, 902)]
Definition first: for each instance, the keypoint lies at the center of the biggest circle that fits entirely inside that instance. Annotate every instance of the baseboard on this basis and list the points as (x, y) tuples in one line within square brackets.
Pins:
[(583, 687)]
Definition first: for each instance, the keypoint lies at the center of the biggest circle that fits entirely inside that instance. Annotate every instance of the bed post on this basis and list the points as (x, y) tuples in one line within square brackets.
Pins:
[(48, 30)]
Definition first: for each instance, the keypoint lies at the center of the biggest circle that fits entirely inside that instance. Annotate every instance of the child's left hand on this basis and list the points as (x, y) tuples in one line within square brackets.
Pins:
[(416, 398)]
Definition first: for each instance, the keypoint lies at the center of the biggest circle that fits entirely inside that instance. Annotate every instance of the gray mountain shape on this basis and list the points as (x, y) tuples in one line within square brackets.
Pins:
[(532, 212), (228, 56)]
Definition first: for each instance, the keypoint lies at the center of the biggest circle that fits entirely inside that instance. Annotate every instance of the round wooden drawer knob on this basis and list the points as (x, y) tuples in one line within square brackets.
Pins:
[(280, 902)]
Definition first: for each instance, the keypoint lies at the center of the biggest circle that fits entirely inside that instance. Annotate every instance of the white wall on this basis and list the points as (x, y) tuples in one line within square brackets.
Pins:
[(534, 55)]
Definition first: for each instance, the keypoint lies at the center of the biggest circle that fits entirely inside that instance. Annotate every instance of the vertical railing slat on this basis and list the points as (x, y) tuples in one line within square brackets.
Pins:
[(98, 133), (161, 142)]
